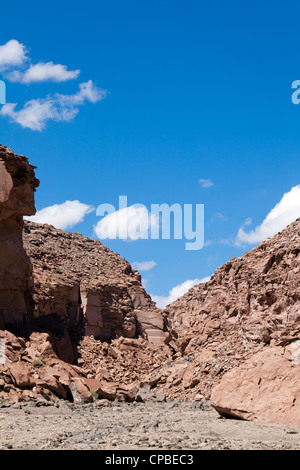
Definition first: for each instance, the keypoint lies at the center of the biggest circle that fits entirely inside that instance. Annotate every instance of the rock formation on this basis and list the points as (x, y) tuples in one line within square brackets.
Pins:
[(17, 187), (251, 300), (89, 287)]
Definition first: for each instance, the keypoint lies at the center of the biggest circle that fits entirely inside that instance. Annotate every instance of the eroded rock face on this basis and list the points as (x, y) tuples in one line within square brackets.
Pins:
[(17, 187), (88, 286), (251, 300), (250, 304)]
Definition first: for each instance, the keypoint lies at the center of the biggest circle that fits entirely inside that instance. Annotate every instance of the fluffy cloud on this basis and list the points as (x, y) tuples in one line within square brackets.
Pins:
[(130, 223), (12, 54), (36, 113), (177, 292), (205, 183), (43, 72), (62, 216), (144, 265), (16, 66), (284, 213), (13, 59)]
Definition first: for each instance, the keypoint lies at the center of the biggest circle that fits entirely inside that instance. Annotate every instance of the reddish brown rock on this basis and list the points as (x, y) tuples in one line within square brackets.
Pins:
[(91, 289), (17, 187), (102, 389), (264, 388), (248, 303), (39, 347), (21, 375), (80, 391)]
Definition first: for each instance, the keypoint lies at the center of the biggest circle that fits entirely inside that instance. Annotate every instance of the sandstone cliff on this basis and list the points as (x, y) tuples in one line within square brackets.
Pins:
[(17, 186)]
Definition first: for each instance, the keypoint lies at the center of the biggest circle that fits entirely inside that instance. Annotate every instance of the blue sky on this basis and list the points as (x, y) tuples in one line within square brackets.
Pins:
[(169, 93)]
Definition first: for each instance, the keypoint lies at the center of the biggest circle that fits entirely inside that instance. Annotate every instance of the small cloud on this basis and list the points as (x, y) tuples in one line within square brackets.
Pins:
[(62, 216), (218, 216), (130, 223), (144, 265), (43, 72), (36, 113), (284, 213), (177, 292), (12, 54), (205, 183)]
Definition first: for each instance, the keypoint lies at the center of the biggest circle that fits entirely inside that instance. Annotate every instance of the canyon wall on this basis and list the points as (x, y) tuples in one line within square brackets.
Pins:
[(17, 187)]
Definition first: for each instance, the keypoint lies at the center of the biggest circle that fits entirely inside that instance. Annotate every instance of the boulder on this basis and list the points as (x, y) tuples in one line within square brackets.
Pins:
[(80, 391), (21, 375), (265, 388)]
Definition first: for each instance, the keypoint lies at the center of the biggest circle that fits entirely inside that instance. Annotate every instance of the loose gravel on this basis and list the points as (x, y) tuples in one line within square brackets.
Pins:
[(135, 426)]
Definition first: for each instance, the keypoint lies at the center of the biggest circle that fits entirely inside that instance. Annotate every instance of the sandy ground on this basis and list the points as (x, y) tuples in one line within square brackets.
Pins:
[(123, 426)]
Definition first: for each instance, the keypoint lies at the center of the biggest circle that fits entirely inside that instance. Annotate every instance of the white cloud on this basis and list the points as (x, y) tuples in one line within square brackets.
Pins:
[(284, 213), (16, 66), (36, 113), (87, 92), (205, 183), (129, 223), (144, 265), (218, 216), (177, 292), (12, 54), (43, 72), (62, 216)]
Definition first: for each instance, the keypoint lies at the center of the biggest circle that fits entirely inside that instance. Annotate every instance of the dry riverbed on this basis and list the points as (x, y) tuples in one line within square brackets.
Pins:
[(135, 426)]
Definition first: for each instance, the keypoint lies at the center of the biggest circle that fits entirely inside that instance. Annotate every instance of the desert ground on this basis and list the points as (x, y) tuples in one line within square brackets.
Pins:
[(135, 426)]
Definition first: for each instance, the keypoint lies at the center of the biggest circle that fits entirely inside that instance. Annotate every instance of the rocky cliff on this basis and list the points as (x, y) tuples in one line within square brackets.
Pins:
[(254, 299), (17, 187), (89, 287), (244, 324)]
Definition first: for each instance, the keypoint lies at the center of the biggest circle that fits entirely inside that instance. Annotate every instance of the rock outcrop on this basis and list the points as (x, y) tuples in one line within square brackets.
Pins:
[(249, 301), (17, 187), (88, 287), (77, 324)]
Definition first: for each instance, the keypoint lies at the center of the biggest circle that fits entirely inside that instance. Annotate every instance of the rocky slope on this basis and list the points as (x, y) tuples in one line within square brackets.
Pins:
[(248, 313), (254, 299), (87, 285)]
